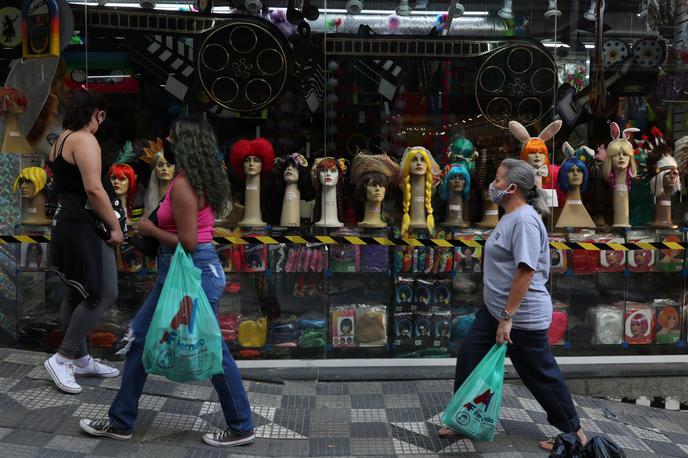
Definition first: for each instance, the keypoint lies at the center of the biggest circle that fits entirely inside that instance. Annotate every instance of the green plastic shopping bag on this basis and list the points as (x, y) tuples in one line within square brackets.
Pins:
[(184, 342), (474, 409)]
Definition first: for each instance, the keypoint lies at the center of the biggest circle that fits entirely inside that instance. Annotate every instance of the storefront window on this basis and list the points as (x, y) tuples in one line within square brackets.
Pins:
[(360, 221)]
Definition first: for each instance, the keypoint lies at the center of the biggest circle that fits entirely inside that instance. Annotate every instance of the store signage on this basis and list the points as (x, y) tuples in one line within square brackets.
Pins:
[(40, 28)]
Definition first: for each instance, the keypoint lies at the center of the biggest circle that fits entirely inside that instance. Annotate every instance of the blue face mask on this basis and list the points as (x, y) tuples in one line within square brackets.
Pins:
[(496, 195)]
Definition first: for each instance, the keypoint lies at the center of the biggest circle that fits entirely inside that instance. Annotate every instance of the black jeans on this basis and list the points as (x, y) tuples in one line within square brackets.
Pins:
[(533, 360)]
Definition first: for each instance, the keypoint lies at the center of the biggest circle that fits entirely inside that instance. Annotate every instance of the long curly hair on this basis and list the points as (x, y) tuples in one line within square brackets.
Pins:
[(276, 186), (406, 176), (196, 153)]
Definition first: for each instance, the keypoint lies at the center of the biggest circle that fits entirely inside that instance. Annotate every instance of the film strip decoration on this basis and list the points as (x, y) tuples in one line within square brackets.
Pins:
[(385, 241)]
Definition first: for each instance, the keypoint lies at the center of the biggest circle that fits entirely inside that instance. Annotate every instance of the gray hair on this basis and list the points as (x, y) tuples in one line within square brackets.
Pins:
[(521, 174)]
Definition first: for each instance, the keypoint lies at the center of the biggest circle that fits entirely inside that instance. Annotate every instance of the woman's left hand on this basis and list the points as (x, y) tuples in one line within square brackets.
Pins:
[(504, 331), (145, 227)]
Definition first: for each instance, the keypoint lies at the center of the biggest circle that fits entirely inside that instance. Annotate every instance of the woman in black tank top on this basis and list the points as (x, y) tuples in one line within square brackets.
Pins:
[(83, 260)]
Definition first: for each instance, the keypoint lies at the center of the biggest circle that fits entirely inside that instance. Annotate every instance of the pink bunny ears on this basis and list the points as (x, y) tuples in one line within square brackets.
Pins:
[(523, 136), (615, 131)]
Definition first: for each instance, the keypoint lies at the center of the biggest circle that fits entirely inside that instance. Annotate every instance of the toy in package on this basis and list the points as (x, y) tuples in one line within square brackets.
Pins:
[(441, 325), (424, 293), (467, 259), (640, 260), (442, 292), (640, 323), (422, 329), (608, 325), (403, 292), (670, 260), (254, 258), (403, 259), (343, 326), (230, 257), (556, 334), (371, 325), (444, 260), (403, 328), (668, 321), (559, 258), (611, 260)]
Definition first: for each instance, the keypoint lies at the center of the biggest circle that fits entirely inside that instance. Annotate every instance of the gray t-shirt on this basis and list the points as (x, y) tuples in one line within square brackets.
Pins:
[(520, 237)]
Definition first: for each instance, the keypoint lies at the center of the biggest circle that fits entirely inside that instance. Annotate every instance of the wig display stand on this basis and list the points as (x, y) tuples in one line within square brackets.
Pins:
[(372, 218), (455, 212), (252, 214), (291, 206), (328, 208), (490, 213), (417, 205)]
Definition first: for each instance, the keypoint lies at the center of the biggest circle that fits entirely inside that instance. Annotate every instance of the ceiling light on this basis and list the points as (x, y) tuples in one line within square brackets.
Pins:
[(506, 12), (403, 9), (147, 4), (354, 6), (460, 9), (552, 9)]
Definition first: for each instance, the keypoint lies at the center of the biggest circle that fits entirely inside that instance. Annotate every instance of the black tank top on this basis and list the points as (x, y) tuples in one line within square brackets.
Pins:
[(67, 177)]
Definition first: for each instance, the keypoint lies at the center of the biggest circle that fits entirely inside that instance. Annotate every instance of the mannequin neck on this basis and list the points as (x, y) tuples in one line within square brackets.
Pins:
[(371, 216), (328, 208), (417, 205), (291, 206), (573, 194), (454, 209), (163, 185), (33, 209), (252, 213)]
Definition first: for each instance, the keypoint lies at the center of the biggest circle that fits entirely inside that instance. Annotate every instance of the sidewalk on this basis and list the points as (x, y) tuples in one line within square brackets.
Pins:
[(304, 418)]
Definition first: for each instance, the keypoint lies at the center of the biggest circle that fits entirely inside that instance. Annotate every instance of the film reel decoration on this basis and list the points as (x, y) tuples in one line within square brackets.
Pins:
[(243, 65), (515, 82)]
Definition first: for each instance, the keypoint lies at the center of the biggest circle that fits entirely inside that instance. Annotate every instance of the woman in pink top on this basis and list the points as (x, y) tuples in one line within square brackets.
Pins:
[(186, 216)]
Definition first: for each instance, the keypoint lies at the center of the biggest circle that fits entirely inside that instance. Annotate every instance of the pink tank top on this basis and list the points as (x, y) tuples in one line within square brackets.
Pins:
[(206, 218)]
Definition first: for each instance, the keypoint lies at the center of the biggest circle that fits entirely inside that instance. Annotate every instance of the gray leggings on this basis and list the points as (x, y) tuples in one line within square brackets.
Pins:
[(77, 318)]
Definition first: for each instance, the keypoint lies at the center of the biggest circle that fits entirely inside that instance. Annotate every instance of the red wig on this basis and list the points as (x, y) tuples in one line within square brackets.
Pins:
[(534, 146), (260, 147), (125, 171)]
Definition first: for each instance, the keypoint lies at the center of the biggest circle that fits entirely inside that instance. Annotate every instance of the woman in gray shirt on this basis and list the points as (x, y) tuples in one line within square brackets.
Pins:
[(518, 307)]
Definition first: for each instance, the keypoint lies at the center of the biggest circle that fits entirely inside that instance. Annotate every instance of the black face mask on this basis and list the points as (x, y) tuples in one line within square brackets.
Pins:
[(169, 151)]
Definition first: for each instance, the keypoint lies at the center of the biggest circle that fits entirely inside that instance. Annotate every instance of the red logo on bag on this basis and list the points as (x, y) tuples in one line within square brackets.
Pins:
[(183, 316), (484, 399)]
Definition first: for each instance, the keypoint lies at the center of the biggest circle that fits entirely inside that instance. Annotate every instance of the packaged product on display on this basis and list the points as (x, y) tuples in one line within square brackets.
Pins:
[(468, 259), (461, 324), (403, 328), (419, 173), (285, 332), (374, 258), (668, 328), (371, 325), (33, 256), (129, 258), (573, 179), (252, 331), (556, 334), (608, 325), (403, 292), (584, 261), (230, 257), (640, 260), (441, 328), (252, 161), (442, 292), (31, 184), (640, 323), (254, 258), (288, 184), (670, 260), (559, 258), (342, 322), (611, 260), (618, 169), (422, 329), (345, 258), (423, 294), (372, 175)]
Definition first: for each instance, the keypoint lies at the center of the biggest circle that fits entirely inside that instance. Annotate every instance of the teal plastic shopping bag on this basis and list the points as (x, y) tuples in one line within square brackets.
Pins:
[(184, 342), (474, 409)]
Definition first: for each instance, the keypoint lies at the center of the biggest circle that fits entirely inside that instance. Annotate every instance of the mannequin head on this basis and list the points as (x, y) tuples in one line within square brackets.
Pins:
[(667, 180), (164, 171), (417, 159), (372, 186), (534, 149), (372, 174), (456, 180), (30, 181), (123, 181), (619, 156), (327, 172), (252, 157), (574, 170), (289, 169), (461, 151)]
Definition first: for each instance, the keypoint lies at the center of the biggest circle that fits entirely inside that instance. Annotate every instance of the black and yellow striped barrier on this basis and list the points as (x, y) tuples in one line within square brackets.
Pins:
[(384, 241)]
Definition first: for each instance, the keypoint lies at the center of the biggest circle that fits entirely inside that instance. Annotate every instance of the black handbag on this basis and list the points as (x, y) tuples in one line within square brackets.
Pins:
[(147, 245), (102, 229)]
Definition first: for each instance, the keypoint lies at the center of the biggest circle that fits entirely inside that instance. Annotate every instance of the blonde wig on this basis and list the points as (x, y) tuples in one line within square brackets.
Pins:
[(619, 145), (35, 175), (430, 174)]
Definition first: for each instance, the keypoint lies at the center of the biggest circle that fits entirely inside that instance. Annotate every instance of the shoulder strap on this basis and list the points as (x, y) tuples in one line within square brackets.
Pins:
[(59, 150)]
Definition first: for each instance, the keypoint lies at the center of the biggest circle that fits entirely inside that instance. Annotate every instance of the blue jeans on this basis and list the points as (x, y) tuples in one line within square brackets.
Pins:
[(230, 390), (533, 360)]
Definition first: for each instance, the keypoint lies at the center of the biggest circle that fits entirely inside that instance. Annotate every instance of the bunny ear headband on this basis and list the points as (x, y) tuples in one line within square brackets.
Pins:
[(522, 135), (583, 153), (615, 131)]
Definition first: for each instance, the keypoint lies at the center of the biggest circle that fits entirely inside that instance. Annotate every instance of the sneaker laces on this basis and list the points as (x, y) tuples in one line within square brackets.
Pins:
[(70, 373), (102, 425), (221, 435)]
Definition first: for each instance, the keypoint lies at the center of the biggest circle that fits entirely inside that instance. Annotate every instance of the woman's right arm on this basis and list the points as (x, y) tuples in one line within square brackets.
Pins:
[(88, 160)]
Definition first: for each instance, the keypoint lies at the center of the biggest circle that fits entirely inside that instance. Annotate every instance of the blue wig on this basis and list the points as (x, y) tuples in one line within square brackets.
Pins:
[(455, 169), (563, 176)]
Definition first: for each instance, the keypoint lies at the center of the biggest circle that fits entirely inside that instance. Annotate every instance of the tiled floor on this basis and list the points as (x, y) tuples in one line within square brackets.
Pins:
[(304, 418)]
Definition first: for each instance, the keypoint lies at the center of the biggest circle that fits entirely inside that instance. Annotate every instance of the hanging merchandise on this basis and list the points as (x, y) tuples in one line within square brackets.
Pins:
[(404, 292), (611, 260), (559, 258), (254, 258), (640, 323), (403, 329), (422, 329), (668, 329), (670, 260), (441, 328), (608, 325), (342, 324), (442, 296), (371, 325), (641, 260), (423, 294)]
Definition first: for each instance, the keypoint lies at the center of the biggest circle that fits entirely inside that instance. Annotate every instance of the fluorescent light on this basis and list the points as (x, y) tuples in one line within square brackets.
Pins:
[(589, 46), (390, 12), (550, 44)]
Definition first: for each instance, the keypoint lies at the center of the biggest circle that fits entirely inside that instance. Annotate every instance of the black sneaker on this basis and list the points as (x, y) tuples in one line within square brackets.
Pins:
[(103, 428), (228, 438)]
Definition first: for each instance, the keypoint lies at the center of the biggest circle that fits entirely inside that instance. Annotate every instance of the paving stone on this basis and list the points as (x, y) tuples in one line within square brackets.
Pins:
[(368, 401), (293, 401), (330, 446), (116, 448), (25, 437), (367, 430), (72, 444), (53, 453), (371, 446), (333, 401)]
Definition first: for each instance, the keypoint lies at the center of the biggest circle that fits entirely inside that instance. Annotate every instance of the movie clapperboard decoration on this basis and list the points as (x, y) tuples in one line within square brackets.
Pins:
[(384, 73), (308, 68), (243, 65), (171, 59), (516, 82)]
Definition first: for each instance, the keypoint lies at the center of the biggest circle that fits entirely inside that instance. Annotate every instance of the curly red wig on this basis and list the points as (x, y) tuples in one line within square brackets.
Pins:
[(125, 171), (259, 147)]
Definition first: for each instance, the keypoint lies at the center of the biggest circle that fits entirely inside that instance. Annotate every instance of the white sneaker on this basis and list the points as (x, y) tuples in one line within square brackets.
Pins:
[(63, 375), (96, 369)]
